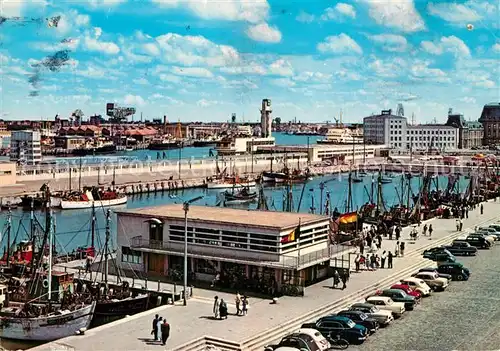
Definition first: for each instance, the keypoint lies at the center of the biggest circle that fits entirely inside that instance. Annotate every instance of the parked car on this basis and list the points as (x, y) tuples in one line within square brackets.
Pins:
[(433, 280), (495, 226), (418, 284), (361, 318), (434, 269), (439, 254), (399, 296), (295, 341), (334, 326), (386, 303), (382, 316), (409, 290), (490, 230), (320, 340), (487, 234), (456, 270), (461, 247), (478, 241)]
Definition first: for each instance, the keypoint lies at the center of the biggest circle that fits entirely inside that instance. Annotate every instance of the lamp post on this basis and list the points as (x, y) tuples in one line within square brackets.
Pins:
[(185, 206)]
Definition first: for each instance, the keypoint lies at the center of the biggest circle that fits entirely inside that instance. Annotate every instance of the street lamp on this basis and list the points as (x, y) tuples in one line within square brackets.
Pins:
[(185, 206)]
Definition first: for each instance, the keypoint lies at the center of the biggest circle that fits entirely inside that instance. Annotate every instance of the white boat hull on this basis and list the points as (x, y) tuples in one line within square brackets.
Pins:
[(73, 205), (46, 328), (230, 185)]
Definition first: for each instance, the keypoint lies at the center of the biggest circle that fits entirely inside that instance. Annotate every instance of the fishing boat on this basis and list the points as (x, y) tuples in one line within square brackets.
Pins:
[(204, 143), (98, 147), (239, 197), (92, 197), (357, 180), (164, 144), (385, 180), (277, 177), (228, 183)]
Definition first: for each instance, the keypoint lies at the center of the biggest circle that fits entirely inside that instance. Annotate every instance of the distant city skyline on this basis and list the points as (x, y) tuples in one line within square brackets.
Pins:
[(202, 61)]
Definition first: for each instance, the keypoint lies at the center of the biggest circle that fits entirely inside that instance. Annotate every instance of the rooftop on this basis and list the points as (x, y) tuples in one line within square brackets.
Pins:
[(253, 218)]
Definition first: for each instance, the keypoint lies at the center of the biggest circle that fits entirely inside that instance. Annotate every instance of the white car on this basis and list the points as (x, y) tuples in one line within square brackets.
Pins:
[(433, 280), (490, 231), (386, 303), (320, 340), (418, 285), (384, 317)]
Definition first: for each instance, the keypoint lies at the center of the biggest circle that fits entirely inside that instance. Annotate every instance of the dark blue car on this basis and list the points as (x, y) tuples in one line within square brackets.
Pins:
[(340, 326)]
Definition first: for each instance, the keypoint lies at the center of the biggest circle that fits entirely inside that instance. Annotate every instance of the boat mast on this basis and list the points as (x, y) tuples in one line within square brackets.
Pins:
[(106, 248), (9, 226), (349, 193), (80, 176), (51, 241), (92, 238), (32, 221)]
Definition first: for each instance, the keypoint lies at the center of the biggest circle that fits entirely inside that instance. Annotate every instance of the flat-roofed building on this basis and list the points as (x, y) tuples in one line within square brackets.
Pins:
[(7, 173), (230, 242)]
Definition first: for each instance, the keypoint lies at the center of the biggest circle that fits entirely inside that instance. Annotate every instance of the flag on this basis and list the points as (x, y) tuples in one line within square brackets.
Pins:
[(293, 236), (348, 218)]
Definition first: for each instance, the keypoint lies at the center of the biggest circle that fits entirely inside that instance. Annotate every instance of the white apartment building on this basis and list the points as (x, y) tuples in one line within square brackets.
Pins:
[(25, 147), (395, 132)]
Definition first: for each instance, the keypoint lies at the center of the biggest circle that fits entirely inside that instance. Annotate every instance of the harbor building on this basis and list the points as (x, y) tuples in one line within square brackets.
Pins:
[(395, 132), (470, 133), (288, 248), (7, 173), (490, 118), (25, 147)]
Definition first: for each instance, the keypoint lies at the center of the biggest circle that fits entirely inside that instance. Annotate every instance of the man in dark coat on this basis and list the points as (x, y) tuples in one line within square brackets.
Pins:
[(165, 332), (155, 327)]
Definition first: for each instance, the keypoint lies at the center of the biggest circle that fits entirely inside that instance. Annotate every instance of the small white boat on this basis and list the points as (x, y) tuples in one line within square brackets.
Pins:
[(46, 327), (224, 184)]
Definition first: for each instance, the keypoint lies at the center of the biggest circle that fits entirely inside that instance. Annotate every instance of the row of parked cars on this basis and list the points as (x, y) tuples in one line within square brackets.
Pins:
[(356, 323)]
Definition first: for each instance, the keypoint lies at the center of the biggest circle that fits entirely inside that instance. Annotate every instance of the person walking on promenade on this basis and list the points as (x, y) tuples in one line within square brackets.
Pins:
[(396, 249), (461, 225), (362, 247), (398, 232), (216, 307), (244, 304), (430, 231), (336, 279), (382, 259), (154, 330), (458, 224), (165, 332), (357, 262), (158, 326), (237, 302), (223, 309), (379, 241), (482, 209), (344, 278), (424, 230), (389, 260), (402, 248), (392, 229)]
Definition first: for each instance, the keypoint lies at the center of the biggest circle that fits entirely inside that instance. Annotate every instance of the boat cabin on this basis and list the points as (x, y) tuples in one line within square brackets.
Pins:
[(61, 282)]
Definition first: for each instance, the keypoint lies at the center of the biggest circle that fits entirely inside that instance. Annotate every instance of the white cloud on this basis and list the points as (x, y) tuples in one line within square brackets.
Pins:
[(388, 68), (4, 59), (92, 72), (67, 44), (141, 81), (281, 67), (105, 47), (390, 42), (496, 47), (16, 8), (313, 77), (283, 82), (196, 72), (206, 103), (422, 71), (468, 100), (105, 3), (97, 32), (339, 44), (133, 100), (151, 49), (454, 12), (250, 68), (401, 15), (71, 21), (264, 33), (231, 10), (170, 78), (305, 17), (340, 11), (450, 44)]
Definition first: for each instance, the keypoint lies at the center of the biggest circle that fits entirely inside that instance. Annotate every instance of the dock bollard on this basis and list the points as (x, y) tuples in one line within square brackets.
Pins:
[(158, 285)]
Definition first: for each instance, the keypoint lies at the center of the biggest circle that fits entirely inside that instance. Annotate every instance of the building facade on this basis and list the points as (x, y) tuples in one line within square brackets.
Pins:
[(470, 134), (7, 173), (490, 118), (396, 133), (25, 147), (287, 248)]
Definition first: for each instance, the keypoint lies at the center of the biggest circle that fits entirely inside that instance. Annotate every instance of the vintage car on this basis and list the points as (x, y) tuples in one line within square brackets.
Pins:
[(361, 318), (399, 296), (296, 341), (320, 340), (409, 290), (434, 269), (461, 247), (418, 285), (438, 253), (455, 269), (382, 316), (386, 303), (478, 240), (433, 280), (491, 231), (339, 326), (495, 226)]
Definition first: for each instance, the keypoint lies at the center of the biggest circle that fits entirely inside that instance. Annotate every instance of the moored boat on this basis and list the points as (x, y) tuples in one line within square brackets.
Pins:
[(228, 184), (108, 310), (95, 198), (240, 197), (164, 144)]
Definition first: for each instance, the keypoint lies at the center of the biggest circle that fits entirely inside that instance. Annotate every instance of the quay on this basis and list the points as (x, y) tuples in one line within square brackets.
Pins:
[(193, 326)]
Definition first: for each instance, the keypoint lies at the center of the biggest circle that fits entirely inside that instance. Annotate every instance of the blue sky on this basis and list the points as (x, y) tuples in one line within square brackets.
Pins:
[(203, 60)]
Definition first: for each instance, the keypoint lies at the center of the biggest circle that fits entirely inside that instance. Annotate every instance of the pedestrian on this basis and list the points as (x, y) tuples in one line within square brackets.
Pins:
[(430, 231), (223, 309), (154, 330), (158, 326), (244, 305), (398, 232), (362, 247), (344, 278), (237, 301), (382, 259), (482, 209), (391, 231), (88, 264), (389, 260), (458, 224), (461, 226), (336, 279), (216, 307), (467, 212), (379, 242), (165, 332), (396, 249), (424, 230), (402, 248)]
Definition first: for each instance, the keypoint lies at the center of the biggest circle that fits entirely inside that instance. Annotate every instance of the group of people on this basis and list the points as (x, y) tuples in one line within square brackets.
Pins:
[(426, 231), (161, 329), (220, 309), (340, 277)]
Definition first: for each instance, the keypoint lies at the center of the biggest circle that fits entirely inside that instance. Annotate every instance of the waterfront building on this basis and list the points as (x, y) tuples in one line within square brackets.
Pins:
[(292, 248), (470, 133), (5, 137), (25, 147), (69, 142), (7, 173), (395, 132), (490, 118), (88, 131)]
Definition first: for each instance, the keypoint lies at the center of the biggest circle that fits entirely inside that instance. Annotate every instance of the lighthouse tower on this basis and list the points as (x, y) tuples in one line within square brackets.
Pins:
[(265, 118)]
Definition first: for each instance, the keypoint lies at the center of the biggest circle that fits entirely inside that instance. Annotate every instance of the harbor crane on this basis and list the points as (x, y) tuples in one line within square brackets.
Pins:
[(118, 114)]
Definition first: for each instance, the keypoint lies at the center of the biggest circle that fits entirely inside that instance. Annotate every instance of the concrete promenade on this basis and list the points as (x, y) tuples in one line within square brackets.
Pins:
[(196, 320)]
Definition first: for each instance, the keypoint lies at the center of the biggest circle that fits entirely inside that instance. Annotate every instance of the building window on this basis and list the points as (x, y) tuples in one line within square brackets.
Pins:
[(130, 256)]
